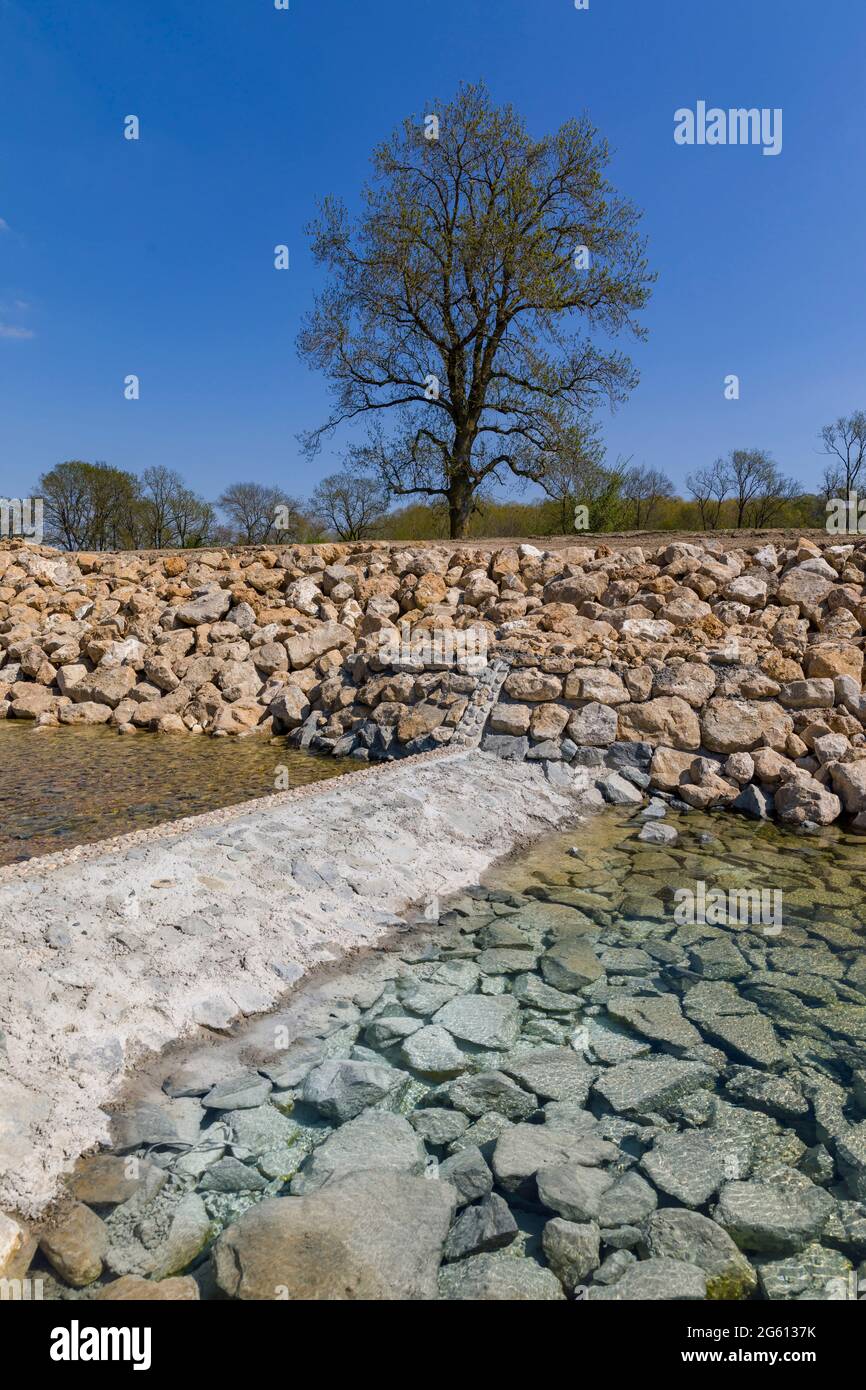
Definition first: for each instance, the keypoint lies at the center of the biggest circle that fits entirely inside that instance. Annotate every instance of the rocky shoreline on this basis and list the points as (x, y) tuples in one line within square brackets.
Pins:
[(111, 951), (725, 679), (556, 1090)]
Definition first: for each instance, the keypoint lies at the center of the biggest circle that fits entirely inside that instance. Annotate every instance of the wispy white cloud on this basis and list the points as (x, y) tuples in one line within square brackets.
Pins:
[(4, 225), (11, 330)]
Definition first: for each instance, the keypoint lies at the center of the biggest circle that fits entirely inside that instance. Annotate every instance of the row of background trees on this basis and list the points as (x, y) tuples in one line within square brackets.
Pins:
[(94, 506)]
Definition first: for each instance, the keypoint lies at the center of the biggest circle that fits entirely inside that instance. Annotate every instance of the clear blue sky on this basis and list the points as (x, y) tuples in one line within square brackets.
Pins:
[(156, 257)]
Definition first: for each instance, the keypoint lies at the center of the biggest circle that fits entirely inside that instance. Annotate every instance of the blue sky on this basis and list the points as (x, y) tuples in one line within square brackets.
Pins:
[(156, 257)]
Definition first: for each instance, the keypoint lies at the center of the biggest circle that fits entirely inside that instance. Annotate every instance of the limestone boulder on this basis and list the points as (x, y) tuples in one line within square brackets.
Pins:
[(849, 784), (667, 720), (307, 647), (690, 681), (576, 588), (208, 607), (670, 767), (802, 798), (374, 1235), (533, 686), (804, 588), (731, 726), (594, 725)]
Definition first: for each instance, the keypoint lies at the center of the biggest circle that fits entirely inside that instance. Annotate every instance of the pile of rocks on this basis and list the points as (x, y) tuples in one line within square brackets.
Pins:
[(533, 1100), (741, 671)]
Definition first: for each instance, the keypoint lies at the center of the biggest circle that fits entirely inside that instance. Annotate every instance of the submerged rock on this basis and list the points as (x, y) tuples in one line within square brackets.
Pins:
[(481, 1229), (483, 1020), (340, 1088), (658, 1279), (771, 1219), (816, 1273), (523, 1150), (552, 1073), (651, 1084), (572, 1250), (377, 1234), (498, 1277), (688, 1236), (376, 1139)]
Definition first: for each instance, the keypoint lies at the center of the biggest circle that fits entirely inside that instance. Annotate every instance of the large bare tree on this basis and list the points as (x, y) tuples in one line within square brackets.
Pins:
[(458, 305)]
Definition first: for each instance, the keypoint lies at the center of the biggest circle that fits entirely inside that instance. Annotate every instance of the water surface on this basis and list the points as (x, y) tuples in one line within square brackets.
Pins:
[(717, 1063), (65, 787)]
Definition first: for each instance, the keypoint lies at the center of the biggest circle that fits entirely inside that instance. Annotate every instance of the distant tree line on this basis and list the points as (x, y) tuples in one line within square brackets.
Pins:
[(94, 506)]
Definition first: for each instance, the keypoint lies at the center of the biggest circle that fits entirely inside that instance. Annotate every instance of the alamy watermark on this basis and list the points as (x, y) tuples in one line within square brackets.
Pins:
[(22, 1290), (731, 907), (434, 647), (738, 125), (21, 516), (846, 516)]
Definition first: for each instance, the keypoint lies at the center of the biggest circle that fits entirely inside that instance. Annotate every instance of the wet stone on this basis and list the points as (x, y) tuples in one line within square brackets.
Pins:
[(499, 960), (572, 1250), (498, 1277), (628, 1202), (341, 1088), (230, 1175), (718, 960), (552, 1073), (775, 1095), (432, 1051), (614, 1267), (816, 1273), (751, 1038), (610, 1043), (659, 1019), (424, 998), (571, 965), (479, 1229), (483, 1134), (262, 1128), (376, 1139), (566, 1059), (468, 1173), (771, 1219), (688, 1166), (573, 1192), (651, 1084), (688, 1236), (524, 1149), (491, 1091), (659, 1280), (438, 1126), (486, 1022), (390, 1029), (563, 1114), (626, 961), (242, 1091)]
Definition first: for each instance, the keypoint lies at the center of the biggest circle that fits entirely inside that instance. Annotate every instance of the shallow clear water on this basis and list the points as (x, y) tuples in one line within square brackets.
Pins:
[(719, 1064), (64, 787)]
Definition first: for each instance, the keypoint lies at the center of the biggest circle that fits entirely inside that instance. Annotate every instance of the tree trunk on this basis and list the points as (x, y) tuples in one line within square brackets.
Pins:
[(459, 508)]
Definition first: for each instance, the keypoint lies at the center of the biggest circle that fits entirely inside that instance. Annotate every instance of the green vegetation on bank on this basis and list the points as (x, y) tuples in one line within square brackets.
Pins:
[(92, 506)]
